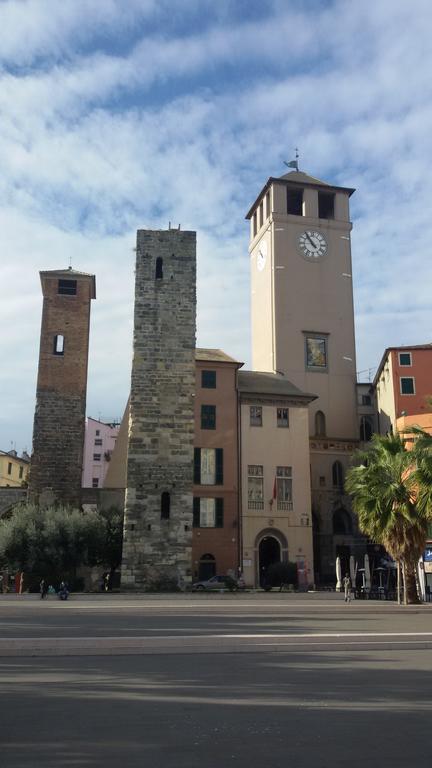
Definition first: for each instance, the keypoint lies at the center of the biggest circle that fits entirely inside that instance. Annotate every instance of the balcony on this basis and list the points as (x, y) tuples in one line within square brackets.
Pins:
[(255, 505), (284, 506)]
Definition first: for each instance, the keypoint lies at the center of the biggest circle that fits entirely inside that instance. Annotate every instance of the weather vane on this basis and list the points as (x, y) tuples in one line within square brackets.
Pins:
[(293, 163)]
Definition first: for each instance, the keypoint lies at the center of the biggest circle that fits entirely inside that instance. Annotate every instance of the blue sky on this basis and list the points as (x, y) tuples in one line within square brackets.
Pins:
[(125, 114)]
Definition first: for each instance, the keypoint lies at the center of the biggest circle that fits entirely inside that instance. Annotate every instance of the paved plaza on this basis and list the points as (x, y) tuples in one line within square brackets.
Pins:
[(268, 680)]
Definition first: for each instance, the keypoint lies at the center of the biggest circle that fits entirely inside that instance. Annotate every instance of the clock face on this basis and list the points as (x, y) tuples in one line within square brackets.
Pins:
[(312, 245), (261, 256)]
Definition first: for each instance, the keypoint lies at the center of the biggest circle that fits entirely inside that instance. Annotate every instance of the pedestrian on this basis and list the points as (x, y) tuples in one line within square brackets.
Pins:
[(347, 588), (43, 589), (107, 581)]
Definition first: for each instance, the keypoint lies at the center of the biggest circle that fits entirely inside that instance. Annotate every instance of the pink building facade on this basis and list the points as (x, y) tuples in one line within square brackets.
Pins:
[(100, 439)]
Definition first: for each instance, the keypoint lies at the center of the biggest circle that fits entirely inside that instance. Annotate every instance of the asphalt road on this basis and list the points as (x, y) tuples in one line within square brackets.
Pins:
[(187, 682)]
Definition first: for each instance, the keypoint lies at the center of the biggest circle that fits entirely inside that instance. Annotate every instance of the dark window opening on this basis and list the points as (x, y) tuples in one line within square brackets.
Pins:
[(159, 268), (97, 433), (165, 505), (283, 417), (261, 213), (58, 348), (268, 211), (326, 204), (365, 429), (21, 472), (67, 287), (98, 441), (208, 417), (95, 482), (208, 379), (338, 475), (342, 524), (96, 457), (320, 424), (407, 386), (404, 358), (255, 416), (295, 202), (254, 224), (10, 468), (366, 400)]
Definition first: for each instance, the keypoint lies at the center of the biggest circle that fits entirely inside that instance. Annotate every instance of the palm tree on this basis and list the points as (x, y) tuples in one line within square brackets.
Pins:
[(384, 491)]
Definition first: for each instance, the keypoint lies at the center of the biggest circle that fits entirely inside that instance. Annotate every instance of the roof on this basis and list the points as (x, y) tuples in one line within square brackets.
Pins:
[(15, 456), (264, 383), (298, 178), (69, 274), (396, 349), (214, 356)]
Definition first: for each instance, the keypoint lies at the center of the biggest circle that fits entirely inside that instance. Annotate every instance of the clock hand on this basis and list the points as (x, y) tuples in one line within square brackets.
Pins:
[(310, 240)]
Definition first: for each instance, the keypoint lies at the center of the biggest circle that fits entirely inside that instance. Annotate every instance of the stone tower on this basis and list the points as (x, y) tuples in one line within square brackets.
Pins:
[(59, 423), (159, 506), (303, 327)]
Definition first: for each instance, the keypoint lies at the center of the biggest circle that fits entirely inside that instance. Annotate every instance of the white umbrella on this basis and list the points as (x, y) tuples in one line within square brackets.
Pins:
[(338, 575), (353, 571), (421, 576), (367, 573)]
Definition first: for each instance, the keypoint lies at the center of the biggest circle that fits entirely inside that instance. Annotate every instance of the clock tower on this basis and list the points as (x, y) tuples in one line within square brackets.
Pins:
[(303, 327)]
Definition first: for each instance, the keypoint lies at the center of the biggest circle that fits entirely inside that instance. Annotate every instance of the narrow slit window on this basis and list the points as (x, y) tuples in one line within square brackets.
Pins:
[(159, 268), (165, 505), (59, 344)]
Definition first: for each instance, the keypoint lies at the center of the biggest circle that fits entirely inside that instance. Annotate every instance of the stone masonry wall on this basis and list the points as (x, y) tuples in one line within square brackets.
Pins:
[(156, 551), (59, 423)]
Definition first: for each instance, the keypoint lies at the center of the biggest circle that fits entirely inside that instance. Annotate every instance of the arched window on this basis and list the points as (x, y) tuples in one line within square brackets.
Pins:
[(207, 567), (365, 429), (159, 268), (165, 505), (342, 524), (320, 424), (338, 475)]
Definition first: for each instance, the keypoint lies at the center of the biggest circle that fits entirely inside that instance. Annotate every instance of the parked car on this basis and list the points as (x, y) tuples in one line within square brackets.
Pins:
[(218, 582)]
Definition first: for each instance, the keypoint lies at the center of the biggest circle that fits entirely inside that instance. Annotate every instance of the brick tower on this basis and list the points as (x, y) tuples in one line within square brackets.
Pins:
[(158, 515), (58, 432)]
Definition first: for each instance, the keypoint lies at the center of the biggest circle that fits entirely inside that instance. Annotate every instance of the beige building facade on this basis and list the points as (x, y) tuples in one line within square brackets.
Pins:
[(303, 327), (276, 515)]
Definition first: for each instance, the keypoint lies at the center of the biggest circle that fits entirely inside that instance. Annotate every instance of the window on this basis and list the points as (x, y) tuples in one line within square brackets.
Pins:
[(208, 417), (322, 481), (283, 417), (95, 482), (208, 379), (159, 268), (284, 487), (208, 466), (165, 505), (67, 287), (326, 202), (97, 433), (316, 352), (255, 416), (208, 513), (21, 473), (254, 224), (255, 486), (407, 385), (9, 468), (366, 429), (366, 400), (58, 345), (98, 441), (320, 424), (342, 524), (261, 213), (268, 204), (295, 202), (96, 457), (338, 475), (405, 358)]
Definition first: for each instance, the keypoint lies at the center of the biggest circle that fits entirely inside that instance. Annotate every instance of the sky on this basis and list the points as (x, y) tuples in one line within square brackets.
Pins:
[(118, 115)]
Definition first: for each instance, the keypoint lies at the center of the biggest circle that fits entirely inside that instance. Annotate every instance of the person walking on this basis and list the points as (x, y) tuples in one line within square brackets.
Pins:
[(43, 589), (347, 588)]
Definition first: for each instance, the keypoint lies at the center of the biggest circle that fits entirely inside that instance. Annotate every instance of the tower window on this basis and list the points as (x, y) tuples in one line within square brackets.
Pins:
[(295, 202), (159, 268), (67, 287), (208, 417), (58, 344), (326, 205), (208, 379), (254, 224), (165, 505), (282, 417), (261, 213), (268, 209), (255, 416), (320, 424), (338, 475)]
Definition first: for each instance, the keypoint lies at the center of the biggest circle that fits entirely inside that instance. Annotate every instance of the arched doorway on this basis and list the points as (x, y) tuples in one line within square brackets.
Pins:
[(206, 567), (269, 552)]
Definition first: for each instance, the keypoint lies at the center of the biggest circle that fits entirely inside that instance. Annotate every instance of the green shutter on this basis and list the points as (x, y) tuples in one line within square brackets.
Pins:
[(196, 512), (219, 466), (197, 466), (219, 513)]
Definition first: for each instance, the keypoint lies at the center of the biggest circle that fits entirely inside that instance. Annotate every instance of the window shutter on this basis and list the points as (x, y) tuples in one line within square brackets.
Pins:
[(196, 512), (197, 466), (219, 521), (219, 466)]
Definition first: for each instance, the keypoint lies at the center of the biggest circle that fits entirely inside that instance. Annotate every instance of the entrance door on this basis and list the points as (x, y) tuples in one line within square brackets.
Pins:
[(269, 552), (207, 567)]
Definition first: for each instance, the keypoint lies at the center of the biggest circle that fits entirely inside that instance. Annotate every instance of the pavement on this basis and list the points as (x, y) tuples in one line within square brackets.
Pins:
[(182, 681)]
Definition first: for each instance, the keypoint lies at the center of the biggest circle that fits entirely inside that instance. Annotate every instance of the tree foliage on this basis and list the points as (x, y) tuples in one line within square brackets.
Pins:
[(55, 541), (385, 490)]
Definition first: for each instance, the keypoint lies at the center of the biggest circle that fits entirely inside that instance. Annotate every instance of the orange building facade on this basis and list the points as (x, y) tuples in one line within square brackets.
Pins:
[(403, 385)]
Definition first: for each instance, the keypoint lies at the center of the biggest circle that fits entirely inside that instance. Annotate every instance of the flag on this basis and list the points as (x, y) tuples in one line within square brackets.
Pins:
[(292, 164)]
